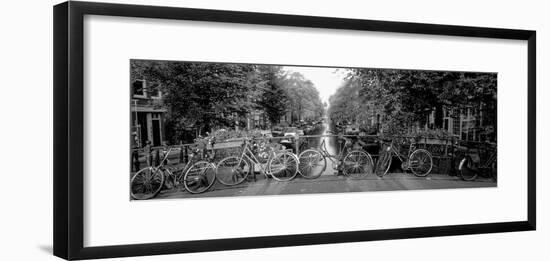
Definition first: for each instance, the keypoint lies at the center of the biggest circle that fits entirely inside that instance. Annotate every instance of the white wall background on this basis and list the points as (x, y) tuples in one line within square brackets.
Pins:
[(26, 113)]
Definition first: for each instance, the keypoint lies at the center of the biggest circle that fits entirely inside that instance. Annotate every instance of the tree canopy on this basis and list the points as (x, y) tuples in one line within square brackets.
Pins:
[(204, 96), (405, 96), (304, 101)]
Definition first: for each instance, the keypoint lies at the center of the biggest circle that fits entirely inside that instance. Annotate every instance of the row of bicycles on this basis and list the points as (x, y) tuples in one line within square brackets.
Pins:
[(198, 176), (280, 164)]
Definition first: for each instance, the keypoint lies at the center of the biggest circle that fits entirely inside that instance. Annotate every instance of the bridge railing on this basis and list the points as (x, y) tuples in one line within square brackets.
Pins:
[(443, 150)]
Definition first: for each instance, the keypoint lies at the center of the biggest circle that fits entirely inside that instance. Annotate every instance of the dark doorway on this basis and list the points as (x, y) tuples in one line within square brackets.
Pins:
[(142, 121), (156, 133)]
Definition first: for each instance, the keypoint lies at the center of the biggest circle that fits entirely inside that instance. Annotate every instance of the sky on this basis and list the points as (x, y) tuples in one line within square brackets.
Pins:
[(326, 80)]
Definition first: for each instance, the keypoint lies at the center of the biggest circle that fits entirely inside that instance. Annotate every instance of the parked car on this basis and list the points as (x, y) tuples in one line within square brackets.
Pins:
[(292, 134), (352, 130), (277, 132), (266, 133), (290, 130), (289, 140)]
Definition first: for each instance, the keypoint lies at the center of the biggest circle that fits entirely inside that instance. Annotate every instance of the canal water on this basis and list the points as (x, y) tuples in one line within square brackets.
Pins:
[(331, 145)]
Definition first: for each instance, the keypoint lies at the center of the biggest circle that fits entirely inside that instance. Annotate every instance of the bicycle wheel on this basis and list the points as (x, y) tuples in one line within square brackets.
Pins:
[(467, 169), (383, 164), (283, 166), (146, 183), (357, 163), (232, 171), (311, 164), (199, 177), (420, 163)]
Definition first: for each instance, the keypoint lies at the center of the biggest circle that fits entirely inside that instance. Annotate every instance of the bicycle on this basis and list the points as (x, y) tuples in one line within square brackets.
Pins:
[(280, 165), (196, 177), (355, 164), (419, 161), (471, 166)]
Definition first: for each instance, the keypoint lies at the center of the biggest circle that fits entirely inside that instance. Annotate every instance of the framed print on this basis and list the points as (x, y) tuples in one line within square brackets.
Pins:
[(183, 130)]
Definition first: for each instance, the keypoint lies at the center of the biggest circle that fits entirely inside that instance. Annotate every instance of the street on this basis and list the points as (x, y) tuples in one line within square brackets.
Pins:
[(332, 184)]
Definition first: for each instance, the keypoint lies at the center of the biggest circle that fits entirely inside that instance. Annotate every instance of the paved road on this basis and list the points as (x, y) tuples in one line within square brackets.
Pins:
[(333, 183)]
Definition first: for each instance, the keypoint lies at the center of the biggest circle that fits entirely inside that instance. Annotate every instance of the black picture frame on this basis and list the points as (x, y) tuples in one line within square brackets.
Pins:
[(69, 119)]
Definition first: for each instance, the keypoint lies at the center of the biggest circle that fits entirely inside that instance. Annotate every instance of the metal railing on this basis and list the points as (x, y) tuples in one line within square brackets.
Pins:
[(444, 150)]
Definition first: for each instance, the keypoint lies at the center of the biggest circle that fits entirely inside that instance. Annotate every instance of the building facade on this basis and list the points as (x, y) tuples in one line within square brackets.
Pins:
[(147, 113), (470, 123)]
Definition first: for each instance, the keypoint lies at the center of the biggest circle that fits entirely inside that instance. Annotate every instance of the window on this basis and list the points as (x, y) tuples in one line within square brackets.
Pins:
[(456, 125), (155, 116), (154, 90), (138, 88)]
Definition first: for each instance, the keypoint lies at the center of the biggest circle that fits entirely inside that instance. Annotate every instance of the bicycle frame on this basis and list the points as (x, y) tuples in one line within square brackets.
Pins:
[(181, 172), (473, 164), (395, 151), (418, 165), (161, 164), (492, 158), (323, 150), (349, 161), (486, 163), (249, 155)]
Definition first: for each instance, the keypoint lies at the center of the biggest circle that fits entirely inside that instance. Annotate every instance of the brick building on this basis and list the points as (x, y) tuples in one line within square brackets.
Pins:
[(147, 113)]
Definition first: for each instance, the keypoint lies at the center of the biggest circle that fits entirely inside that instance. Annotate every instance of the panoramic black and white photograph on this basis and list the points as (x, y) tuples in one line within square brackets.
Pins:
[(204, 129)]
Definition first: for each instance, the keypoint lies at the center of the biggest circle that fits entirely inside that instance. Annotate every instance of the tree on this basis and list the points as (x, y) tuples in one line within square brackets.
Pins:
[(206, 96), (201, 95), (303, 98), (274, 98), (403, 97)]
